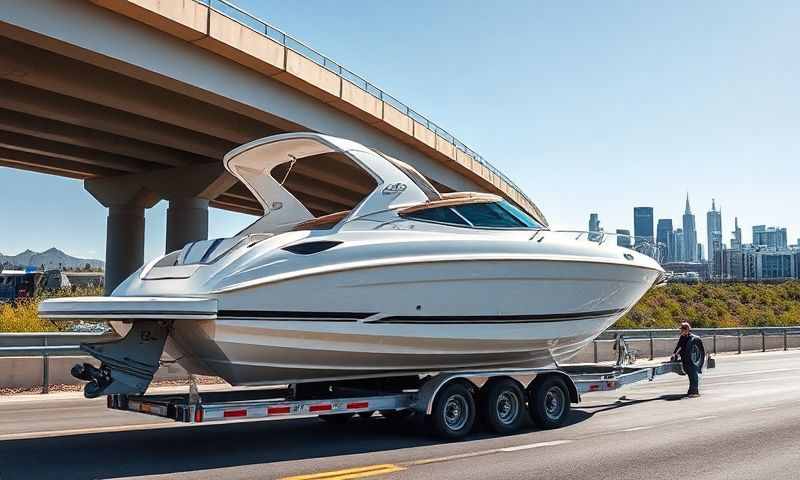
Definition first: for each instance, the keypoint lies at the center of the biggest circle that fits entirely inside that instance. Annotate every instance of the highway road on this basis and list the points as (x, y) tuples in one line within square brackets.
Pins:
[(746, 425)]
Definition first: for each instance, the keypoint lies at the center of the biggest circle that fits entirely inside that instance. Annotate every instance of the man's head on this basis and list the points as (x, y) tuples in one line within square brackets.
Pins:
[(685, 328)]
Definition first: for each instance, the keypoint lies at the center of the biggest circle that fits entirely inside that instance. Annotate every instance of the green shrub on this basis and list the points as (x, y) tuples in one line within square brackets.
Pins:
[(712, 305), (23, 316)]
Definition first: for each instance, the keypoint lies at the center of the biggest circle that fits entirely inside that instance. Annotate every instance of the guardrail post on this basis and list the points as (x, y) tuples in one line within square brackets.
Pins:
[(652, 346), (785, 340), (45, 369), (714, 338), (739, 339), (594, 344), (763, 341)]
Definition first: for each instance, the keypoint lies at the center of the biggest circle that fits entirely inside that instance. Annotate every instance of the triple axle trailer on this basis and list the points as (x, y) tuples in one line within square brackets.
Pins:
[(451, 402)]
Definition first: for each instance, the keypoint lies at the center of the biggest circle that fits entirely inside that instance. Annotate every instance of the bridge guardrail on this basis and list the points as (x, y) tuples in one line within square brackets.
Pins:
[(261, 27)]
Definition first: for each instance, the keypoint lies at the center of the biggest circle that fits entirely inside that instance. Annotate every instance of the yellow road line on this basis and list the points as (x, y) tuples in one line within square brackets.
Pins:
[(359, 472)]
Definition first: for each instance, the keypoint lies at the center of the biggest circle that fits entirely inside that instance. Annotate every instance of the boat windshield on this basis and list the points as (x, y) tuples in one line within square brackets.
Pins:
[(477, 214)]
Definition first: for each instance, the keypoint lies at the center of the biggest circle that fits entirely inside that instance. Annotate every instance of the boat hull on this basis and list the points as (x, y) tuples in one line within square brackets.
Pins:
[(519, 314)]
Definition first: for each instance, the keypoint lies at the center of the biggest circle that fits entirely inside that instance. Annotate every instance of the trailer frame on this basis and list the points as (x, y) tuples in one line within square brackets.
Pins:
[(339, 400)]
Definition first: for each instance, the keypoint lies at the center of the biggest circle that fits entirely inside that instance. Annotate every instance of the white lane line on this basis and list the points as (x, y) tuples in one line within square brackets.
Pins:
[(76, 431), (707, 417), (636, 429), (763, 409), (752, 372), (535, 445), (755, 380)]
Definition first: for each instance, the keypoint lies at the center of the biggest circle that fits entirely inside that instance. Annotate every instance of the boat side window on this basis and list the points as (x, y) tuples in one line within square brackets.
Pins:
[(491, 215), (439, 215), (520, 215)]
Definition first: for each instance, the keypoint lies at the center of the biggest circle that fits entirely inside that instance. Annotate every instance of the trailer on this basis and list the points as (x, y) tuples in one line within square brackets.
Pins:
[(451, 402)]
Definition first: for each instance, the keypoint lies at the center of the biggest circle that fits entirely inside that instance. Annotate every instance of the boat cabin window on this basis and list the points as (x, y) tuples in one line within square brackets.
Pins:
[(481, 214), (439, 215)]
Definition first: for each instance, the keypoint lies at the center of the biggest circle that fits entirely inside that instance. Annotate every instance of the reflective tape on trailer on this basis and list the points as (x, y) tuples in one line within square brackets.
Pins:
[(320, 407)]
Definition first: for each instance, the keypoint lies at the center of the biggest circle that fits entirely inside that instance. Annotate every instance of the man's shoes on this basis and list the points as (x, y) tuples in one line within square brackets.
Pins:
[(693, 395)]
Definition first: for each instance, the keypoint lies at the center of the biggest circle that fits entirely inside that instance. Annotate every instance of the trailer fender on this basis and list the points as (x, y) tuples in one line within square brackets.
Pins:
[(574, 396)]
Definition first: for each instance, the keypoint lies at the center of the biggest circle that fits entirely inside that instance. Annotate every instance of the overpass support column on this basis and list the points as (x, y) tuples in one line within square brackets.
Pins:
[(126, 203), (124, 243), (187, 221)]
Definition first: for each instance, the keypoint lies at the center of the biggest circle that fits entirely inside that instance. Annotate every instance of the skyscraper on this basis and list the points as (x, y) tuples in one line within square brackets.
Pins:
[(643, 224), (594, 226), (689, 234), (736, 242), (665, 237), (714, 225), (680, 246), (774, 238)]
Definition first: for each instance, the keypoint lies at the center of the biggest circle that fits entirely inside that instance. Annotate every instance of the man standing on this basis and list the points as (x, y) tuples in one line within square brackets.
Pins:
[(687, 343)]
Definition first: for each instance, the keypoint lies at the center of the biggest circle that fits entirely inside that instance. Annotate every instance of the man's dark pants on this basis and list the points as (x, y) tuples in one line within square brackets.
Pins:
[(694, 378)]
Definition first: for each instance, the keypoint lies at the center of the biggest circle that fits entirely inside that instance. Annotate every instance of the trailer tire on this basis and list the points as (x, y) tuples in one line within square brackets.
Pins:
[(336, 418), (549, 402), (453, 413), (502, 405)]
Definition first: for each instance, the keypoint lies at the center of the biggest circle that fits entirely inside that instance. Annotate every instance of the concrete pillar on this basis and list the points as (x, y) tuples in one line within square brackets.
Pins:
[(188, 190), (187, 221), (124, 243)]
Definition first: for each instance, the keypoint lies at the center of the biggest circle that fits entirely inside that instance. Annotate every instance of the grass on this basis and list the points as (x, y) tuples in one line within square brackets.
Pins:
[(23, 316), (710, 305)]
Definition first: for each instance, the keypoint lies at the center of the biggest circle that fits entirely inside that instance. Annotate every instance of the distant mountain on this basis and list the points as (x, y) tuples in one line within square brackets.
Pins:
[(52, 258)]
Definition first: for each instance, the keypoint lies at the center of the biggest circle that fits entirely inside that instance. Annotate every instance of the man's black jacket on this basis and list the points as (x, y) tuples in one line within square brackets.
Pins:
[(685, 345)]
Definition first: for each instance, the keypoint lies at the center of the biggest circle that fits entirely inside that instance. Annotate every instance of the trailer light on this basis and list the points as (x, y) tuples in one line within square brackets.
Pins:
[(198, 414), (281, 410), (235, 413), (357, 405), (321, 407)]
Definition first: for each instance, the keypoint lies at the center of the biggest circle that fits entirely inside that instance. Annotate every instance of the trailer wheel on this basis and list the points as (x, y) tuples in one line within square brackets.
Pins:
[(549, 402), (453, 413), (336, 418), (502, 404)]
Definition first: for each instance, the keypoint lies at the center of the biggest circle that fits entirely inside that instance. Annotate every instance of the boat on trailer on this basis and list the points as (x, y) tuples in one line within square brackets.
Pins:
[(406, 281)]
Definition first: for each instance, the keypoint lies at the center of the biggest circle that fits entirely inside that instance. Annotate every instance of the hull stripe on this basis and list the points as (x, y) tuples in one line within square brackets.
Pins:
[(470, 319), (294, 315), (465, 319)]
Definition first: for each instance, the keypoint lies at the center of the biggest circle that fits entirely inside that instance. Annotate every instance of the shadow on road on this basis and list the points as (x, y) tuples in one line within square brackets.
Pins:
[(624, 402), (192, 448)]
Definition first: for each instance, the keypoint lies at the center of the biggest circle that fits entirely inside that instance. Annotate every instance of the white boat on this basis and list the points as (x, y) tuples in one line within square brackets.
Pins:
[(408, 281)]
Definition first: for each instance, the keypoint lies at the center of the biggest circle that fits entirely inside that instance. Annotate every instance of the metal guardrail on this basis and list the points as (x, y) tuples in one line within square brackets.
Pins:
[(261, 27), (46, 345), (632, 336)]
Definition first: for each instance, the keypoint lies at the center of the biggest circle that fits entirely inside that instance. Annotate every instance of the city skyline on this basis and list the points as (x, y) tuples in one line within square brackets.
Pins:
[(778, 235)]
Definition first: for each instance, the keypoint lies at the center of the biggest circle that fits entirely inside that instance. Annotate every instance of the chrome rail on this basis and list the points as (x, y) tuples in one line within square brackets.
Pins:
[(248, 20), (643, 245)]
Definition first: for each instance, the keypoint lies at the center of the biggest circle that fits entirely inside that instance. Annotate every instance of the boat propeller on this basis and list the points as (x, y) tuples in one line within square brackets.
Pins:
[(128, 364)]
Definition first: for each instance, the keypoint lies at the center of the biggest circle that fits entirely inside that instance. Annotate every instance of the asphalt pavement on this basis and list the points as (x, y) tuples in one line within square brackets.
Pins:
[(745, 425)]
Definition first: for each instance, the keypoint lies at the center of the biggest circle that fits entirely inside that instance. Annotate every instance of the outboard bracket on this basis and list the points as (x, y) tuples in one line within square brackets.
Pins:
[(128, 364)]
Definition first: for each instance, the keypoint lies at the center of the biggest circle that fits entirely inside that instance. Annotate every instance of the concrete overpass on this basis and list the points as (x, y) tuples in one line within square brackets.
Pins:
[(141, 98)]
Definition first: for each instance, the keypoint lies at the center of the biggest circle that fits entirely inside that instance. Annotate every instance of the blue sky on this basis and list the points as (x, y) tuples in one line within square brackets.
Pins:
[(589, 106)]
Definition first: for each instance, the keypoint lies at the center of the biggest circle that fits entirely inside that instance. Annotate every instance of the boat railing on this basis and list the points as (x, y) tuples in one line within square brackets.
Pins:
[(643, 245)]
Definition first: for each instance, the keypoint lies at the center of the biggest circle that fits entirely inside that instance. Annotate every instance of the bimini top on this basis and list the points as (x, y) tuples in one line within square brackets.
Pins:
[(397, 184)]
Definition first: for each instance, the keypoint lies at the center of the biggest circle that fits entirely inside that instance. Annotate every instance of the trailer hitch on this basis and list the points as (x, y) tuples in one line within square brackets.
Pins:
[(127, 365)]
